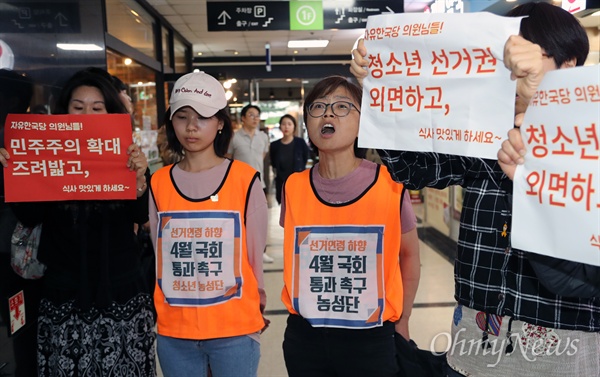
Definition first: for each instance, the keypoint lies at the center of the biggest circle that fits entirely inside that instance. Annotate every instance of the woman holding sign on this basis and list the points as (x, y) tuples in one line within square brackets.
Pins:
[(348, 288), (208, 218), (96, 313), (502, 303)]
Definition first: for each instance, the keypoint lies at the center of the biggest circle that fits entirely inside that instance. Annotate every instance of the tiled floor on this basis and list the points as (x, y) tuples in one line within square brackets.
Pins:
[(430, 320)]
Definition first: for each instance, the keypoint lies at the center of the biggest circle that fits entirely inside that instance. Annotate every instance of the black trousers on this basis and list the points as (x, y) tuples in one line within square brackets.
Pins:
[(324, 351), (278, 189)]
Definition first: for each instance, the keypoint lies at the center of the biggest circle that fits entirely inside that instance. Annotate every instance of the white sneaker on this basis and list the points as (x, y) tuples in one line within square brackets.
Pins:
[(267, 258)]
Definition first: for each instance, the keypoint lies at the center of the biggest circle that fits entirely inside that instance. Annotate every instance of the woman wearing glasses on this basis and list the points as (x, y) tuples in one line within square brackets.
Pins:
[(351, 252)]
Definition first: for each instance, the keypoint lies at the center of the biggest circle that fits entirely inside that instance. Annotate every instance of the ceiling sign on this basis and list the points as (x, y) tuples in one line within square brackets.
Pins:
[(46, 17), (336, 15), (306, 15), (295, 15), (242, 16)]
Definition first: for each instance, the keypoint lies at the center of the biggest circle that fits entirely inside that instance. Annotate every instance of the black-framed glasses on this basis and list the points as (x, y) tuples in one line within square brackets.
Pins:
[(339, 108)]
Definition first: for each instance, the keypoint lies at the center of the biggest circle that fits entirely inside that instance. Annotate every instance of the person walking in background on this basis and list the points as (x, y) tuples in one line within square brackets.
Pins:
[(347, 288), (96, 312), (498, 292), (123, 94), (288, 154), (250, 145), (208, 219)]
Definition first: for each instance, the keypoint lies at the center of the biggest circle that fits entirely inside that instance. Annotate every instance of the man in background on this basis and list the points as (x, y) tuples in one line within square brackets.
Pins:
[(250, 145)]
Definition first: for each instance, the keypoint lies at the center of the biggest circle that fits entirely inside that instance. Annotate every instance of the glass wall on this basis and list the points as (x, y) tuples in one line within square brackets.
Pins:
[(140, 58), (181, 51), (142, 88), (34, 51), (130, 23), (166, 48)]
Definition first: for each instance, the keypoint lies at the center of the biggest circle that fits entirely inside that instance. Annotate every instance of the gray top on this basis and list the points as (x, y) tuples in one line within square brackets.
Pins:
[(250, 149)]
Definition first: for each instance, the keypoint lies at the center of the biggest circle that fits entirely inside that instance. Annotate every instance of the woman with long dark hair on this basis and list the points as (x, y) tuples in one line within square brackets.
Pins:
[(96, 313), (288, 154)]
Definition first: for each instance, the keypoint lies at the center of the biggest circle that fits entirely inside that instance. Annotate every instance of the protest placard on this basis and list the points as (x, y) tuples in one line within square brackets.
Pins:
[(556, 195), (68, 157), (437, 83)]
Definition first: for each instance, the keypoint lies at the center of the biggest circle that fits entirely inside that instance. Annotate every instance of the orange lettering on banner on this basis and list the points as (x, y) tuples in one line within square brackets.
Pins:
[(562, 96), (561, 186), (579, 142), (337, 245)]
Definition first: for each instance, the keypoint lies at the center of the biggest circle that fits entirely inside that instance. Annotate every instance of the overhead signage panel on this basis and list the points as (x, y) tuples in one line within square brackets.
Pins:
[(295, 14), (342, 15), (40, 18), (243, 16)]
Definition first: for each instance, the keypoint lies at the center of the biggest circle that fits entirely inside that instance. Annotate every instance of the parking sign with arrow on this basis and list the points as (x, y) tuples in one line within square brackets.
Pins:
[(241, 16)]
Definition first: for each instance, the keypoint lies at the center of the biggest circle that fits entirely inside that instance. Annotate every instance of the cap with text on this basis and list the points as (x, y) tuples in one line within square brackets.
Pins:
[(200, 91)]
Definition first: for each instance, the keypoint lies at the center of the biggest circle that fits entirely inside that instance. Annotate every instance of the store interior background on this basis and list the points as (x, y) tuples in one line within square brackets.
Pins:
[(148, 44), (240, 57)]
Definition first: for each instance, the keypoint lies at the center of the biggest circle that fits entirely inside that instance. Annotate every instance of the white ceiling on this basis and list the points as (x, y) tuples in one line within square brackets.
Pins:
[(189, 18)]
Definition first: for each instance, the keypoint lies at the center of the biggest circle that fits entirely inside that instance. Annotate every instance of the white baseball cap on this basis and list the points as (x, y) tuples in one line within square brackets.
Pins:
[(200, 91)]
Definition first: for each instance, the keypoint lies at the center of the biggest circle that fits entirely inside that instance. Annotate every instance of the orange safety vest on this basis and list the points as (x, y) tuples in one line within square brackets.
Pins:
[(208, 287), (341, 261)]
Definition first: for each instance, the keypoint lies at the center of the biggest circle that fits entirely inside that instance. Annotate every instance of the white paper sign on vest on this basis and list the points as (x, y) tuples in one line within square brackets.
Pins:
[(437, 83), (337, 275), (199, 257), (556, 197)]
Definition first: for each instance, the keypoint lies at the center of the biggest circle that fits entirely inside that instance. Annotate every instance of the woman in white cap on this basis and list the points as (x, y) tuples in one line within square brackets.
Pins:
[(208, 219)]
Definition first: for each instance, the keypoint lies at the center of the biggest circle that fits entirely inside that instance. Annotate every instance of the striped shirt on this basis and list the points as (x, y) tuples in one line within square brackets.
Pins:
[(490, 276)]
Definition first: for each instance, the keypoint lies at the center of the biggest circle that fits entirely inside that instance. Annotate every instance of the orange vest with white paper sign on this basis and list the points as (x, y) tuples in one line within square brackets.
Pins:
[(205, 285), (341, 261)]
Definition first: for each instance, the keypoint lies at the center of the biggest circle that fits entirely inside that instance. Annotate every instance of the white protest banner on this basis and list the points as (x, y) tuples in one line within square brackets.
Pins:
[(437, 83), (556, 195)]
